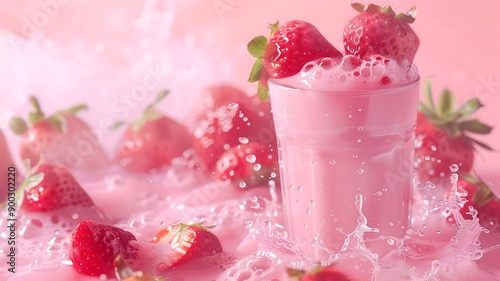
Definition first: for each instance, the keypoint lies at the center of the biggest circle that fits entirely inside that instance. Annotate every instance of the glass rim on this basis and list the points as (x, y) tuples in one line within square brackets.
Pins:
[(277, 82)]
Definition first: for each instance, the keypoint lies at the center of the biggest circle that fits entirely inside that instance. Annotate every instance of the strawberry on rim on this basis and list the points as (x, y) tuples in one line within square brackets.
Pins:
[(289, 48), (380, 31)]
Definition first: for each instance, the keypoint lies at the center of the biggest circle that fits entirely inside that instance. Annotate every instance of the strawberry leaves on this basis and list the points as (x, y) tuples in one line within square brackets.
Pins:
[(454, 122), (256, 47), (19, 126)]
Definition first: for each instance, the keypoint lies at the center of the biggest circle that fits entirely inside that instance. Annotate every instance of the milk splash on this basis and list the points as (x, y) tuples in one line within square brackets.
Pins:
[(256, 246)]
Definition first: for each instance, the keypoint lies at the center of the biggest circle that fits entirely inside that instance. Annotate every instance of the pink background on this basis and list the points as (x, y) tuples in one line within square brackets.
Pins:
[(98, 52)]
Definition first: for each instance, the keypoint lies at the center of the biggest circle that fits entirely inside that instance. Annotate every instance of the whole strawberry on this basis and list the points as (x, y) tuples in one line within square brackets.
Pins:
[(60, 138), (8, 172), (247, 165), (94, 248), (188, 242), (480, 198), (50, 187), (227, 117), (289, 48), (150, 143), (329, 273), (443, 136), (378, 30)]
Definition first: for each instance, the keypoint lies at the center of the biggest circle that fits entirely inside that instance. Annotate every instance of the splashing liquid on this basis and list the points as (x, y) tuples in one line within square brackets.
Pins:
[(249, 224)]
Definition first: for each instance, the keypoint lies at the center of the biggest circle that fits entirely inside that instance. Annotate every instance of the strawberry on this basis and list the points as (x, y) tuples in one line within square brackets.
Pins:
[(329, 273), (378, 30), (94, 248), (481, 198), (442, 136), (188, 242), (289, 48), (8, 172), (61, 138), (226, 117), (248, 165), (50, 187), (150, 143)]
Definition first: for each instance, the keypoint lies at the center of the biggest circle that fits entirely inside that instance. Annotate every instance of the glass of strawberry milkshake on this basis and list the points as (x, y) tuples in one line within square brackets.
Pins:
[(345, 128)]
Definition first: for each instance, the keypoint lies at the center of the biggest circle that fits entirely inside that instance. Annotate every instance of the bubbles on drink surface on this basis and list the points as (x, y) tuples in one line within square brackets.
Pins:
[(372, 72)]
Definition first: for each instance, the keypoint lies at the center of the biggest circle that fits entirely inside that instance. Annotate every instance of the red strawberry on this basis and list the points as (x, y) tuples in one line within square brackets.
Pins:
[(442, 136), (94, 248), (290, 47), (151, 142), (188, 242), (481, 198), (51, 187), (61, 138), (319, 273), (8, 172), (380, 31), (248, 165), (228, 117)]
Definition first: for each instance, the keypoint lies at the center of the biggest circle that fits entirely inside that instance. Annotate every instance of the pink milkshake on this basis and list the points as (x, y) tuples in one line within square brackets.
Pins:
[(344, 129)]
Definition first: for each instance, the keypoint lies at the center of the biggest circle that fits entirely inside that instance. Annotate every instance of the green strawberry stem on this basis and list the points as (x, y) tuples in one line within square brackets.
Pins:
[(37, 113), (183, 226), (256, 48), (18, 125), (408, 17), (31, 179), (149, 112), (454, 122), (484, 195)]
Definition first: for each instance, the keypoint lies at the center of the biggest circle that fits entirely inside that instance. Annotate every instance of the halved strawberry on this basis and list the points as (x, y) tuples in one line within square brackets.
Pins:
[(188, 242), (443, 136), (60, 138), (319, 273), (94, 248), (50, 187), (248, 165), (150, 143), (379, 31), (289, 48)]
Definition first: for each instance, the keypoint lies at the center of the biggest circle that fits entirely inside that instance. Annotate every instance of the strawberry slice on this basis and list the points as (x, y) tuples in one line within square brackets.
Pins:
[(319, 273), (94, 248), (378, 30), (188, 242), (247, 165), (289, 48), (152, 142), (50, 187), (60, 138), (443, 136)]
